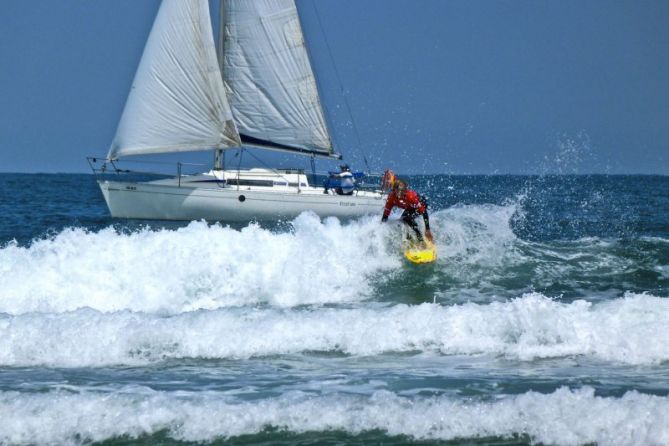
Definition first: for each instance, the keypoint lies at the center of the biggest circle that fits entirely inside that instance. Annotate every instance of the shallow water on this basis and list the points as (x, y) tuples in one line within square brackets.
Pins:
[(543, 321)]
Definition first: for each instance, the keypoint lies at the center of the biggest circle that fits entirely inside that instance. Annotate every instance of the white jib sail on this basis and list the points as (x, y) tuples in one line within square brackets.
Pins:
[(268, 77), (177, 102)]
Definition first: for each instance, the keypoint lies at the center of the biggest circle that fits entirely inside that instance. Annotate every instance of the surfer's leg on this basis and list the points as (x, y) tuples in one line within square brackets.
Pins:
[(408, 217)]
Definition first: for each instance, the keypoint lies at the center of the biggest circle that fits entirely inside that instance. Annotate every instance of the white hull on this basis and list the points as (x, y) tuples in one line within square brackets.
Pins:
[(200, 197)]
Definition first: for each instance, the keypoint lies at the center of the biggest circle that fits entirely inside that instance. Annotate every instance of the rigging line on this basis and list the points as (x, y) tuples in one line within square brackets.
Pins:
[(341, 86)]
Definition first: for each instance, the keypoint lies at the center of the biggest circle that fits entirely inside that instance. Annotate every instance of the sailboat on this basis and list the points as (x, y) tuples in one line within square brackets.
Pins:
[(255, 89)]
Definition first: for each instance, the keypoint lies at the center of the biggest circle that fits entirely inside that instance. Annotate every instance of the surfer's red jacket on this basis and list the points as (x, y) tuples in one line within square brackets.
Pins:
[(410, 200)]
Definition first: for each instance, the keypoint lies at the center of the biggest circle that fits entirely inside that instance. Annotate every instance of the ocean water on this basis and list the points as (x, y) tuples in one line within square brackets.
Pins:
[(544, 321)]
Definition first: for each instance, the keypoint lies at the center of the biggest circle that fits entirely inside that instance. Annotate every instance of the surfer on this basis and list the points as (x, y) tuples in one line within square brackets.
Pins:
[(412, 203)]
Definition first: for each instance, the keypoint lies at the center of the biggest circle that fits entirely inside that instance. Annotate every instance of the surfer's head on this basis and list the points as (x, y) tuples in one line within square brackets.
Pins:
[(388, 180), (400, 186)]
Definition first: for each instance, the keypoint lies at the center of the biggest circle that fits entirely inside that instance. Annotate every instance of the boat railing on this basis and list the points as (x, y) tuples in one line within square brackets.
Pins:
[(113, 169), (144, 170)]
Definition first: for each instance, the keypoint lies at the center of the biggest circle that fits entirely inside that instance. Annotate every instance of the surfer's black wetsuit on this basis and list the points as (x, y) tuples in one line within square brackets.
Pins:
[(413, 205), (409, 217)]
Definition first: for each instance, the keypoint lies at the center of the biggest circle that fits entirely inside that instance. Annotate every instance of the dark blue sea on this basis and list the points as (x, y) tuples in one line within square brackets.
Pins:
[(544, 321)]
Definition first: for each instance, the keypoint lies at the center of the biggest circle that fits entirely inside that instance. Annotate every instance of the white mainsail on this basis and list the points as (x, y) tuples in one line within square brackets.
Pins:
[(177, 102), (268, 77)]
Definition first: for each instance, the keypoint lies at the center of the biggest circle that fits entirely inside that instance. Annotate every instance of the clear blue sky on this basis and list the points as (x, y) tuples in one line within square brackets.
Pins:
[(434, 86)]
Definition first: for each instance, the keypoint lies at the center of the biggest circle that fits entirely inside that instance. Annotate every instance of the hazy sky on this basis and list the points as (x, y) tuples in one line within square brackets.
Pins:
[(434, 86)]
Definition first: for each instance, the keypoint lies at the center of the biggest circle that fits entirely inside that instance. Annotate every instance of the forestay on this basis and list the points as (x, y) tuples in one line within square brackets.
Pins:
[(268, 77), (177, 102)]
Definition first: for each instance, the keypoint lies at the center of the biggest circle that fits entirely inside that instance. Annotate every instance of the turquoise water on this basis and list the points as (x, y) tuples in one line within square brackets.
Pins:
[(543, 321)]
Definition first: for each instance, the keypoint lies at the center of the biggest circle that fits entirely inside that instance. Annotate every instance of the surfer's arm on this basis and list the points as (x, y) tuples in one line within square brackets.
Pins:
[(390, 204), (426, 220)]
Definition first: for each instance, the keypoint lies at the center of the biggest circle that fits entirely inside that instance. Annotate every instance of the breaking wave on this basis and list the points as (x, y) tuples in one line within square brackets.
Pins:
[(564, 417), (316, 262), (629, 330), (196, 267)]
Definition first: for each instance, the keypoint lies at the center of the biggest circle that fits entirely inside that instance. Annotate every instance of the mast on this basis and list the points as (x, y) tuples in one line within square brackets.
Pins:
[(219, 156)]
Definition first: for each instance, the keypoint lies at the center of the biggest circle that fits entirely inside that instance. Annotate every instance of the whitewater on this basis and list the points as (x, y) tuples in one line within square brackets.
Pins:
[(544, 320)]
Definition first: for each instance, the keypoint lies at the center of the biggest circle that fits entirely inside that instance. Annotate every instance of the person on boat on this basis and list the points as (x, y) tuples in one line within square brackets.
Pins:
[(412, 203), (345, 180)]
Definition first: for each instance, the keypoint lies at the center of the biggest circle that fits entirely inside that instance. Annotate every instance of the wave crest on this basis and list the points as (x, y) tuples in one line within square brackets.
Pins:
[(564, 417), (629, 330)]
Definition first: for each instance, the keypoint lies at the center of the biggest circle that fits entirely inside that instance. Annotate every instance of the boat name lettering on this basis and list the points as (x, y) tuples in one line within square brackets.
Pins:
[(346, 203)]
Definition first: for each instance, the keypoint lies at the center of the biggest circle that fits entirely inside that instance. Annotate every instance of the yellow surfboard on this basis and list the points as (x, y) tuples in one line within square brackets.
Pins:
[(420, 252)]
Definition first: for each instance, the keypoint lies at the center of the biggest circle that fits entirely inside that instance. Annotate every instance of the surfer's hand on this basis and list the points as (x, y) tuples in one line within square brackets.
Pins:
[(384, 219), (428, 234)]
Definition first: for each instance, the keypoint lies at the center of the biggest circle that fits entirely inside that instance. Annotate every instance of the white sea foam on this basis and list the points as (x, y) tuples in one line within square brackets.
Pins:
[(628, 330), (564, 417), (319, 262), (199, 266), (207, 267)]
